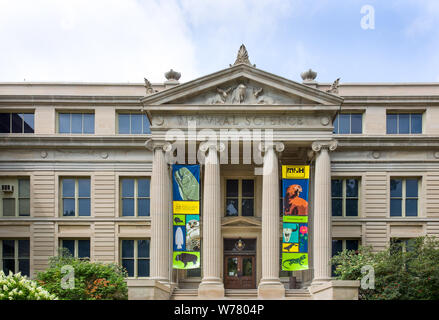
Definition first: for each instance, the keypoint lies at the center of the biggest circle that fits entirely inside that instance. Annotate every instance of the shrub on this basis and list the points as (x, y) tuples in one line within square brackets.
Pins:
[(18, 287), (92, 281), (411, 274)]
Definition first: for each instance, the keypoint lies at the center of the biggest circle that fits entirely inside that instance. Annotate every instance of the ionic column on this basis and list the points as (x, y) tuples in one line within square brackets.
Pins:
[(322, 211), (160, 190), (270, 286), (211, 286)]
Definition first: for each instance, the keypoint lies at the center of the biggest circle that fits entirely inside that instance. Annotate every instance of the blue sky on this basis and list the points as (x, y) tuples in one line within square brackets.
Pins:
[(124, 41)]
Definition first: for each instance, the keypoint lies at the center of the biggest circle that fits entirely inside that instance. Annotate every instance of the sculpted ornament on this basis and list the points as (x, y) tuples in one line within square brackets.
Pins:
[(218, 146), (221, 96), (324, 120), (148, 87), (334, 87), (329, 145), (239, 95), (242, 56), (158, 144), (277, 146)]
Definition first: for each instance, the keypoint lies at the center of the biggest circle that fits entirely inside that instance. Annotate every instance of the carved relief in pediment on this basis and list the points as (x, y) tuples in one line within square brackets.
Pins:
[(242, 93)]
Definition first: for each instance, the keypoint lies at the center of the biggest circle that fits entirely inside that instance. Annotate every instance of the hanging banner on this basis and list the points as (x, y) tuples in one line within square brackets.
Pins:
[(295, 185), (186, 216)]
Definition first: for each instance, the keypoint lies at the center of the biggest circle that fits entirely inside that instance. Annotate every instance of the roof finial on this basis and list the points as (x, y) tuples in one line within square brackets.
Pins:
[(172, 75), (308, 76), (242, 57)]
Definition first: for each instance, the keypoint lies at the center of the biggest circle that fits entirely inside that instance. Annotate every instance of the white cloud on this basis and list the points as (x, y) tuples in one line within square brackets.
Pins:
[(99, 40), (126, 40), (426, 20)]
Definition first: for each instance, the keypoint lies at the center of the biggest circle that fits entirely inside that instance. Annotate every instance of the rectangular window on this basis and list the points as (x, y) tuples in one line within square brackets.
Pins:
[(404, 123), (133, 123), (15, 197), (345, 195), (135, 197), (14, 256), (338, 245), (240, 195), (404, 197), (16, 123), (193, 273), (77, 123), (401, 245), (75, 197), (348, 123), (135, 257), (78, 248)]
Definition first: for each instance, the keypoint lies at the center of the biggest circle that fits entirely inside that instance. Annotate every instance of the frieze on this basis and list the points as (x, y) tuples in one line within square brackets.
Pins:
[(229, 121)]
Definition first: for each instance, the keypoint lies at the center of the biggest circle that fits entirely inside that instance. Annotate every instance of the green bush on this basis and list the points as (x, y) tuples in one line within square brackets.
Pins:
[(411, 273), (18, 287), (92, 281)]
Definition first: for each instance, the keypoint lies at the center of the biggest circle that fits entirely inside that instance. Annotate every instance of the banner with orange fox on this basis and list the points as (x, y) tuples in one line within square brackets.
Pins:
[(295, 185)]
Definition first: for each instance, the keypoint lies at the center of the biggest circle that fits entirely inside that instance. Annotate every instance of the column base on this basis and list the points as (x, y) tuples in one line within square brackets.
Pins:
[(148, 290), (271, 290), (335, 290), (319, 282), (211, 290)]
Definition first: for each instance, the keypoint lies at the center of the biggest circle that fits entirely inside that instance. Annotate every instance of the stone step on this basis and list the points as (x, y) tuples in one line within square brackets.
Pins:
[(243, 294), (184, 294), (297, 294)]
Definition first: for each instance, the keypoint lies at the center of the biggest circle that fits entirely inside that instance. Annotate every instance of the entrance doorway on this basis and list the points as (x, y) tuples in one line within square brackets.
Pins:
[(240, 272), (240, 263)]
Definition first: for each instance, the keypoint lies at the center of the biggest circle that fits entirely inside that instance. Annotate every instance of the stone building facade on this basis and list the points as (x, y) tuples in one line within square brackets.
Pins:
[(86, 166)]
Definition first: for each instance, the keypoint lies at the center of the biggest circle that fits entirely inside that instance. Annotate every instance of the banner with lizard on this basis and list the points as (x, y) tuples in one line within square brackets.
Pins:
[(295, 190)]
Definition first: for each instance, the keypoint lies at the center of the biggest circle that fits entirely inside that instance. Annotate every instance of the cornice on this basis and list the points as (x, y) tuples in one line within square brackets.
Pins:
[(424, 100), (186, 108), (54, 100), (387, 141), (74, 221), (83, 141), (404, 220)]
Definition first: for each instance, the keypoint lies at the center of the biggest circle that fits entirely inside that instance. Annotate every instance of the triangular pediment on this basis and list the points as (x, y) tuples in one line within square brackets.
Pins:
[(243, 85), (241, 222)]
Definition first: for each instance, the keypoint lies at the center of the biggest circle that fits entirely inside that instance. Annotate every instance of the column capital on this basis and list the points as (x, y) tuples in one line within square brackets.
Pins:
[(217, 146), (328, 145), (155, 144), (276, 146)]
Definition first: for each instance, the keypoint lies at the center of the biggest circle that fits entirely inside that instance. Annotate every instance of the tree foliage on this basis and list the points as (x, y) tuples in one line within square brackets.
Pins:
[(404, 271), (92, 281)]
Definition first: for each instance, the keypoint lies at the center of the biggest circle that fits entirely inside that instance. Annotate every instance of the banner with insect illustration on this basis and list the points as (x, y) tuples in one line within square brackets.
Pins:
[(186, 216), (295, 190)]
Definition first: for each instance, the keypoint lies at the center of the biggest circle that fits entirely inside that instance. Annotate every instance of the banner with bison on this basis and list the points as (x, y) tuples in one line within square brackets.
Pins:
[(186, 216), (295, 185)]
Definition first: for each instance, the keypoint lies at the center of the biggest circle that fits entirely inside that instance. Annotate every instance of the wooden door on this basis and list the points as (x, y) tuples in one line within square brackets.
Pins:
[(239, 272)]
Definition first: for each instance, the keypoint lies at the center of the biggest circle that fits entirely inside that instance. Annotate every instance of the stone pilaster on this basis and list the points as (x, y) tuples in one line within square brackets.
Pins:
[(322, 211), (211, 286), (270, 286), (160, 190)]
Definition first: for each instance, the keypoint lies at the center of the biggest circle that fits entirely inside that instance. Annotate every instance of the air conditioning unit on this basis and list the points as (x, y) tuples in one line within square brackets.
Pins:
[(7, 188)]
